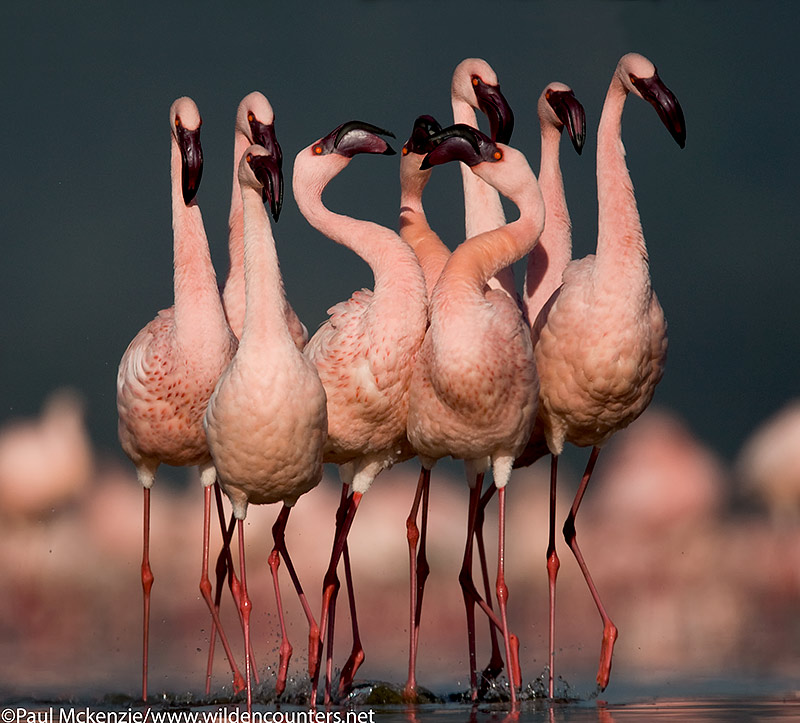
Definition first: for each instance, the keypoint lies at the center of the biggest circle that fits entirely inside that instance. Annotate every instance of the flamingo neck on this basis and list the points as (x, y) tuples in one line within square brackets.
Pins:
[(415, 230), (394, 264), (233, 292), (620, 240), (549, 258), (265, 301), (483, 209), (479, 258), (198, 307)]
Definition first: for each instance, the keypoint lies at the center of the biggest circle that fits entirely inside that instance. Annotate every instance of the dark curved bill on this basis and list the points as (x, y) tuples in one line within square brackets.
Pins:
[(463, 143), (268, 172), (354, 137), (425, 126), (494, 104), (191, 162), (264, 135), (571, 113), (666, 104)]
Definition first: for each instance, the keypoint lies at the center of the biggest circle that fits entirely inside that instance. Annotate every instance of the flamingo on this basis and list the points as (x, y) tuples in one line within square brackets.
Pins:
[(364, 352), (601, 339), (474, 389), (266, 421), (474, 86), (169, 369), (255, 123), (558, 108)]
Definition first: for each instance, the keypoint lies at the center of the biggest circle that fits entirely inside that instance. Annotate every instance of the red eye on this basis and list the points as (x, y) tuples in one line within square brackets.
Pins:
[(498, 155)]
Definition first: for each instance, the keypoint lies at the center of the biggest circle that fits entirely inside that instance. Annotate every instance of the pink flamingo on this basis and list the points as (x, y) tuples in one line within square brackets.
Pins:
[(601, 339), (433, 255), (474, 86), (474, 390), (557, 109), (255, 123), (364, 352), (169, 370), (266, 421)]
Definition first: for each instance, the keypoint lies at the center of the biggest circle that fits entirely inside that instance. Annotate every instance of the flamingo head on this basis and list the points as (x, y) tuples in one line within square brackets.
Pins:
[(476, 83), (559, 106), (352, 138), (260, 169), (639, 76), (464, 143), (425, 127), (185, 122), (255, 119)]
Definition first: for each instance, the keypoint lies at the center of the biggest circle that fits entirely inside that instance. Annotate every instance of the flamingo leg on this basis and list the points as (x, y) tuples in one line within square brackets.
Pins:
[(205, 590), (224, 562), (245, 606), (147, 585), (418, 566), (353, 662), (467, 586), (495, 665), (502, 591), (552, 572), (609, 629), (330, 586)]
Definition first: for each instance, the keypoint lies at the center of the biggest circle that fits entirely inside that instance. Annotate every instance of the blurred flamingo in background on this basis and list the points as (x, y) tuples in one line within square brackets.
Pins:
[(169, 370), (364, 352), (474, 390), (769, 465), (45, 462), (266, 421), (600, 340)]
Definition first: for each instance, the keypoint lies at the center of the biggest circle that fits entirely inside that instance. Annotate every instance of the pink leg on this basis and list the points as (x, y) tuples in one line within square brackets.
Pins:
[(147, 585), (468, 588), (418, 573), (245, 606), (353, 662), (278, 535), (495, 665), (552, 572), (609, 629), (330, 587), (224, 561), (205, 590), (502, 589)]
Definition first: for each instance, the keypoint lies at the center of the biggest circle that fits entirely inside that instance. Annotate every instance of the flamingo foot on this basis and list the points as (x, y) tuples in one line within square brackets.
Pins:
[(610, 633), (349, 670), (283, 667)]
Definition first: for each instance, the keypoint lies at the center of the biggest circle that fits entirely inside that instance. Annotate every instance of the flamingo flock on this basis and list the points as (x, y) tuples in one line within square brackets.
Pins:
[(443, 357)]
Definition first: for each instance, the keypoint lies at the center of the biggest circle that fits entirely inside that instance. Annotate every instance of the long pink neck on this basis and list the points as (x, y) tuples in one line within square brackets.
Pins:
[(483, 209), (549, 258), (233, 292), (621, 251), (479, 258), (265, 327), (394, 264), (198, 307), (414, 228)]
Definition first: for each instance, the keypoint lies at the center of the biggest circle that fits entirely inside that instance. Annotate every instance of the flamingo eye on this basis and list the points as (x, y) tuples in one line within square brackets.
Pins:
[(249, 158), (497, 155), (250, 116), (177, 121), (475, 80), (317, 149), (404, 151)]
